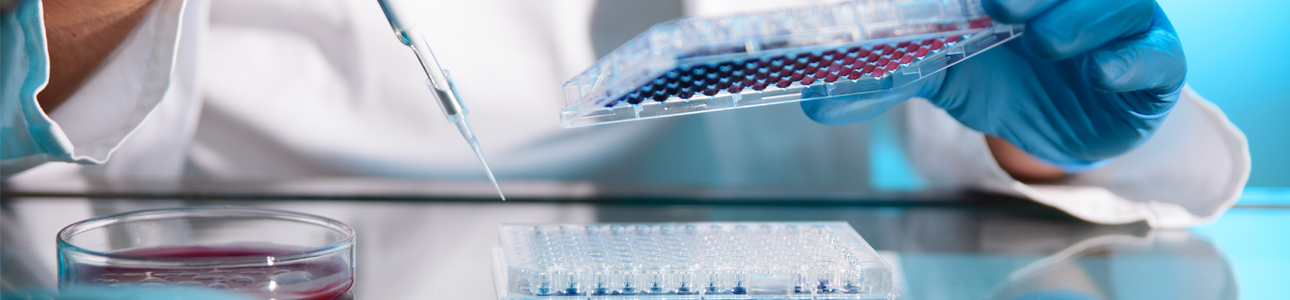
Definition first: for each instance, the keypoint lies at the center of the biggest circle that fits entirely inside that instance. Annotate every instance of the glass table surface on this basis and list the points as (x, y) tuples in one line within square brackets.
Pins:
[(989, 249)]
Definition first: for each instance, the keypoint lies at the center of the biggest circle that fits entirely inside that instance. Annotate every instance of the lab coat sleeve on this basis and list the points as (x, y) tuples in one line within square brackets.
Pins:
[(110, 104), (1190, 171)]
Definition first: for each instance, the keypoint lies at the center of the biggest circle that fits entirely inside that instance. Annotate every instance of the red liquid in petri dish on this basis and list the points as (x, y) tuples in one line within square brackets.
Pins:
[(323, 278)]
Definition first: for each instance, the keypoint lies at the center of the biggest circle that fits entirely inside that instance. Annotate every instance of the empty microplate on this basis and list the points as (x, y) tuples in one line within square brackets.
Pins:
[(700, 64), (808, 260)]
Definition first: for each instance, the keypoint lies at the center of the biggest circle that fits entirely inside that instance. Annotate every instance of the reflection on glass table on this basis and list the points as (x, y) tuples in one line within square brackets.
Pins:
[(982, 250)]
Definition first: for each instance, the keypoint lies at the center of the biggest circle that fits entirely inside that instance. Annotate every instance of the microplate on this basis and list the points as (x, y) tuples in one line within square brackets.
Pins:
[(700, 64), (774, 260)]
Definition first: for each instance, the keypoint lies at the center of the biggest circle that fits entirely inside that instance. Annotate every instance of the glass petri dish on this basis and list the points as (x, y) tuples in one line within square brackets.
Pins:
[(260, 253)]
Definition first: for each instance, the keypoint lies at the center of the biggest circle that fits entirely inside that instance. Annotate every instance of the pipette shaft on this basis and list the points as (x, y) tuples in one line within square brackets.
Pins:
[(406, 28)]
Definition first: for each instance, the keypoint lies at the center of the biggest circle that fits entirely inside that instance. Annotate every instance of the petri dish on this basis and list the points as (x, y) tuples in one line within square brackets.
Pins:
[(260, 253)]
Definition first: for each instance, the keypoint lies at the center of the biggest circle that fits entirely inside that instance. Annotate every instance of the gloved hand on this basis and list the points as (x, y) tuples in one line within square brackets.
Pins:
[(1088, 80)]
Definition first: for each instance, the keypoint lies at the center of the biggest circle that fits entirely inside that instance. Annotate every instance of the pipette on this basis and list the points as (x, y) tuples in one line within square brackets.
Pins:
[(406, 24)]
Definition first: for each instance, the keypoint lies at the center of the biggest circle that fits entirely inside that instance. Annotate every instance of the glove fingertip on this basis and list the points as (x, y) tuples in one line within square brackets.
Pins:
[(823, 111), (1153, 61), (1045, 47), (849, 109), (1110, 70), (1015, 11)]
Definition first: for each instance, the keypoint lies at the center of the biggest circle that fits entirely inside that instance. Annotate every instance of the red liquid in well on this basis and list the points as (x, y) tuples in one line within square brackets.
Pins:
[(314, 279)]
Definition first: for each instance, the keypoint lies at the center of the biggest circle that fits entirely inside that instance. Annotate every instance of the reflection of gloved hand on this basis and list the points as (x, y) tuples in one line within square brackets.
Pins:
[(109, 293), (1057, 294), (1088, 80)]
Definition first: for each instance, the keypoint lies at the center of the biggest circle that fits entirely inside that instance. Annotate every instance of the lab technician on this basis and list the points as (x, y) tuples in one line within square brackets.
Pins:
[(1089, 107)]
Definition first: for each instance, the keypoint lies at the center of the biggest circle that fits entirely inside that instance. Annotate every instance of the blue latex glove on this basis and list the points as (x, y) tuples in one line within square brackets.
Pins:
[(1088, 80)]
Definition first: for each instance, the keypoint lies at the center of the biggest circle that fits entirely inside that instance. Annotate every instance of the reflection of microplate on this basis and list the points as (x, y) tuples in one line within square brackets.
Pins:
[(816, 260)]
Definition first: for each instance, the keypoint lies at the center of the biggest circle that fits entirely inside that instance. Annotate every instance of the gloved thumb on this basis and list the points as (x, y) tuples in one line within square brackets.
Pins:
[(848, 109)]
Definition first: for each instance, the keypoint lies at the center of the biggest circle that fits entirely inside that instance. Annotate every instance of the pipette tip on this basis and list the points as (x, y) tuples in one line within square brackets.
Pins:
[(464, 126), (493, 179), (474, 145)]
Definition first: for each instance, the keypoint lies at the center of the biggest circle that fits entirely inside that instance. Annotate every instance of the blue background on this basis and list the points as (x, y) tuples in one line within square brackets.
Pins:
[(1234, 60)]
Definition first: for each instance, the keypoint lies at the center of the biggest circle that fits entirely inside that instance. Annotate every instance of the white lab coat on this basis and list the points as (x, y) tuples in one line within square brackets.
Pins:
[(266, 90)]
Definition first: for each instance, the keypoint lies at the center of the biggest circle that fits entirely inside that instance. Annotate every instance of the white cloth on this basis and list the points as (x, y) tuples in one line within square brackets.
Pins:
[(112, 104), (289, 89), (1188, 173)]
